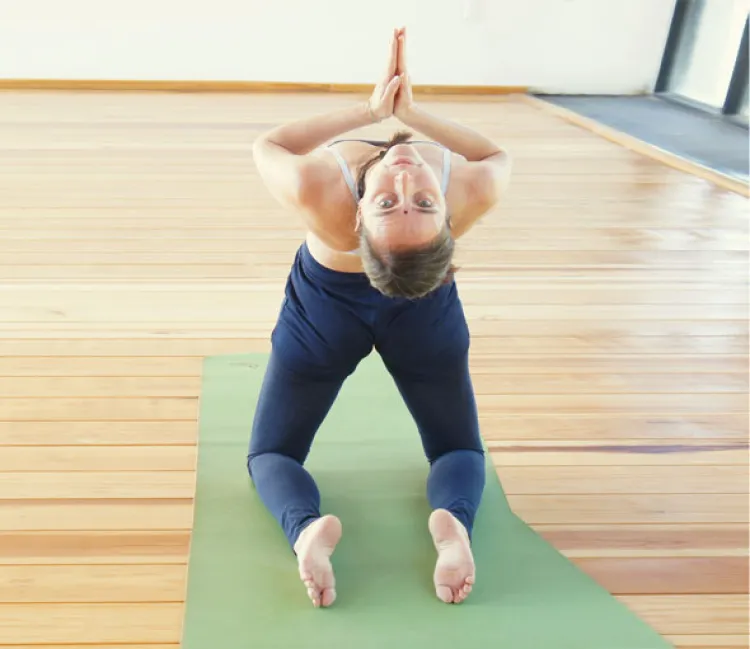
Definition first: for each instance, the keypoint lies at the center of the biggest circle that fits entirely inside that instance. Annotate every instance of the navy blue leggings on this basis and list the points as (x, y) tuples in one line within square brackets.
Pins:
[(329, 322)]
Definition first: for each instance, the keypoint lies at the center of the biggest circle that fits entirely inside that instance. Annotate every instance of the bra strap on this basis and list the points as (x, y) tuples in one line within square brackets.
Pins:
[(347, 174), (446, 169)]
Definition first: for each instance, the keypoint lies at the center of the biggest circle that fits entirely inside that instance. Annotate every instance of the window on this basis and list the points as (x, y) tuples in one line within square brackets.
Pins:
[(705, 60)]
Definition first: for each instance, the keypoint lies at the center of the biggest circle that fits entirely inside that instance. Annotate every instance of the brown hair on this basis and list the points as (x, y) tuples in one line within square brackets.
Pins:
[(412, 273)]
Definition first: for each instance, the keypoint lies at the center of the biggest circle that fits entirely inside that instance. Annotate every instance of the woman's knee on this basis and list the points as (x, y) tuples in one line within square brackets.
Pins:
[(468, 455), (269, 461)]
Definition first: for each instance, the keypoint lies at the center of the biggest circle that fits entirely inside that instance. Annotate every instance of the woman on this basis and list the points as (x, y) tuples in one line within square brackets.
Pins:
[(375, 271)]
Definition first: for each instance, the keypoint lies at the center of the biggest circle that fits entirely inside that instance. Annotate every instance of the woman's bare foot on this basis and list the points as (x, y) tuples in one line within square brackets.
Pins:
[(314, 548), (454, 571)]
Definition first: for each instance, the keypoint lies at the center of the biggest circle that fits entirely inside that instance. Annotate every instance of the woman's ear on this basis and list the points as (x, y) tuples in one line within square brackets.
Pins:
[(358, 219)]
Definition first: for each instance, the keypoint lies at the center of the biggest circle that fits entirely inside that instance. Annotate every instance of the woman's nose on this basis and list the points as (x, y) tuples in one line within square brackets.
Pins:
[(402, 181), (402, 188)]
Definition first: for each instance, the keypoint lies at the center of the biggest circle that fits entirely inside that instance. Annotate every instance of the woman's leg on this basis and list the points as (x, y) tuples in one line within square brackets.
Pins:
[(318, 342), (291, 408), (425, 346), (319, 339)]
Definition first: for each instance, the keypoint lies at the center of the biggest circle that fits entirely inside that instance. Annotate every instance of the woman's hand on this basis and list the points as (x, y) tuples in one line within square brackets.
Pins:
[(382, 101), (404, 97)]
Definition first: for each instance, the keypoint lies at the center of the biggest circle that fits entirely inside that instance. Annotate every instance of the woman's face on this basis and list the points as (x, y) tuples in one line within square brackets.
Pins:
[(402, 206)]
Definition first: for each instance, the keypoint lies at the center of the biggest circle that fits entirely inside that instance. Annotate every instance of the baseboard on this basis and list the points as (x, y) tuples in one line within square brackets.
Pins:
[(238, 86), (639, 146)]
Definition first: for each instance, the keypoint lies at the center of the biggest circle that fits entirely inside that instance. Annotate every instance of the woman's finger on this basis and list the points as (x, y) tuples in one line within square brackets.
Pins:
[(392, 88), (402, 51), (393, 56)]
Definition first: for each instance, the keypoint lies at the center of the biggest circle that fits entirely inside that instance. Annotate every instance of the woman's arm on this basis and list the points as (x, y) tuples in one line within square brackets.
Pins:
[(281, 157), (481, 181), (281, 154), (459, 139), (462, 140), (305, 135)]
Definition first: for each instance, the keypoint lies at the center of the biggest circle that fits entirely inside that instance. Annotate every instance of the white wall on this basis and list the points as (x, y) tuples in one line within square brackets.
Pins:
[(575, 46)]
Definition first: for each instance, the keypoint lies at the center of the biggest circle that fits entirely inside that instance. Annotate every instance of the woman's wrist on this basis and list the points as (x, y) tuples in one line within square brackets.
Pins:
[(407, 115), (374, 118)]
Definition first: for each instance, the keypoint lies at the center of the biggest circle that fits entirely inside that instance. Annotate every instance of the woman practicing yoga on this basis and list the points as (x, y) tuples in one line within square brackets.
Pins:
[(375, 272)]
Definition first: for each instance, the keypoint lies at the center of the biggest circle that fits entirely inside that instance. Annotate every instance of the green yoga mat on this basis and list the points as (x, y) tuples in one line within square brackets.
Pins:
[(243, 587)]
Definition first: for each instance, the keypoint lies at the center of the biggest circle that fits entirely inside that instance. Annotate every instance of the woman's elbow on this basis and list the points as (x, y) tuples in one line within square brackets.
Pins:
[(493, 178)]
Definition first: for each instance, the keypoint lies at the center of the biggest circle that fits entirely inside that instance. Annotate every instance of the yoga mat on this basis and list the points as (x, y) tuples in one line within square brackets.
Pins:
[(243, 586)]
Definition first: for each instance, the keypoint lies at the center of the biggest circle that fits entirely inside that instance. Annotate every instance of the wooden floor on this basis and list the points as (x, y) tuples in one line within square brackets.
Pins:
[(608, 300)]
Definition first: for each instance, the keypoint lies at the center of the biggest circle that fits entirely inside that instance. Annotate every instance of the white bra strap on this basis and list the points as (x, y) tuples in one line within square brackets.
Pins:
[(446, 169), (347, 174)]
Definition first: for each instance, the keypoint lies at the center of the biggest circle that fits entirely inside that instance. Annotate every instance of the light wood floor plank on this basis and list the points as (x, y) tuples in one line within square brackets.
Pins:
[(650, 452), (669, 575), (103, 584), (612, 383), (110, 366), (664, 479), (488, 364), (670, 540), (98, 515), (614, 403), (710, 641), (90, 623), (70, 485), (631, 508), (692, 614), (100, 386), (607, 429), (30, 459), (104, 409), (99, 433), (117, 547), (131, 345)]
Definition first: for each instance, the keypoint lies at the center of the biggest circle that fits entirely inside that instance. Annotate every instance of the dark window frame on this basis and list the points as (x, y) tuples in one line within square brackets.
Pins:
[(684, 19), (739, 81)]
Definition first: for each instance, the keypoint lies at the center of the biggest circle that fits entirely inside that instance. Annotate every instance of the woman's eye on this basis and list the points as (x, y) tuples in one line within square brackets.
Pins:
[(426, 203), (385, 203)]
